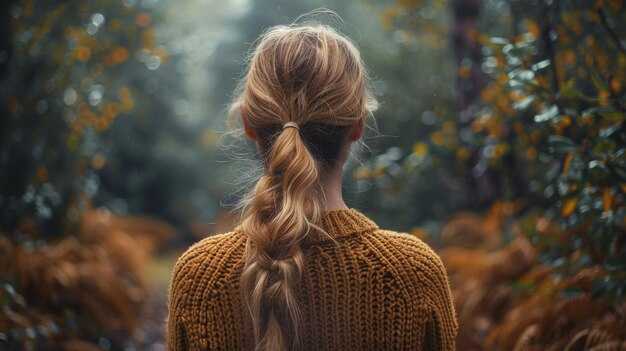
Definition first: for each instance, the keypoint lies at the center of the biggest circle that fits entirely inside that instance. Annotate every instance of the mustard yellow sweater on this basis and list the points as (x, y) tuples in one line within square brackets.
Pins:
[(374, 290)]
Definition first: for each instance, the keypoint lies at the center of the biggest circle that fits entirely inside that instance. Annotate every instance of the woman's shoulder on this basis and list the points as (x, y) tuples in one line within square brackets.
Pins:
[(410, 253), (408, 244), (212, 245), (422, 273), (212, 256)]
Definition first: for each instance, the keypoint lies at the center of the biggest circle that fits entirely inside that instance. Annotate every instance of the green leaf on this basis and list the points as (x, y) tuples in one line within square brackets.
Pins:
[(499, 41), (597, 164), (614, 266), (523, 103), (540, 65), (547, 114), (608, 131), (568, 93), (604, 146), (548, 256), (561, 144), (521, 74), (599, 110), (553, 171), (560, 262), (613, 116), (597, 81), (512, 50)]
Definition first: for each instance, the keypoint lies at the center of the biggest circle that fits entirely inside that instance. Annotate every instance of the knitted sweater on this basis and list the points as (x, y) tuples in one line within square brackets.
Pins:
[(370, 290)]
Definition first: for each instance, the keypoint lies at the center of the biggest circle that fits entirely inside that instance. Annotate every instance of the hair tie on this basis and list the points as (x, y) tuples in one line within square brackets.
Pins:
[(291, 125)]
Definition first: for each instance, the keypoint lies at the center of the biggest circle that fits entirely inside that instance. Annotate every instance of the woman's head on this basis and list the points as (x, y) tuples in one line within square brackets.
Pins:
[(303, 100), (310, 75)]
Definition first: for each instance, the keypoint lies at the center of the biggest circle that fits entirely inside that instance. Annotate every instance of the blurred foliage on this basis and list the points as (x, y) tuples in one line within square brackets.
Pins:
[(567, 111), (70, 275), (506, 295), (97, 109), (550, 127), (553, 114), (84, 292), (401, 184), (62, 91)]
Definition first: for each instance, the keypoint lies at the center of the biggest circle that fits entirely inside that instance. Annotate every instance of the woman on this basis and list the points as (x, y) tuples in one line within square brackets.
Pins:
[(303, 271)]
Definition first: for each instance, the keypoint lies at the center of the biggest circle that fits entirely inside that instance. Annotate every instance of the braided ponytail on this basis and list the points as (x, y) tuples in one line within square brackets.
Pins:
[(311, 80), (282, 211)]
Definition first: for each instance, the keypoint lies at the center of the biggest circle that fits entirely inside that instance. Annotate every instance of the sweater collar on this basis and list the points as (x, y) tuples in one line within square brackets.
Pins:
[(340, 224)]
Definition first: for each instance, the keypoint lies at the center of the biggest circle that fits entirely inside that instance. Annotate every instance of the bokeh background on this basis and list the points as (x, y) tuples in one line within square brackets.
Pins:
[(500, 141)]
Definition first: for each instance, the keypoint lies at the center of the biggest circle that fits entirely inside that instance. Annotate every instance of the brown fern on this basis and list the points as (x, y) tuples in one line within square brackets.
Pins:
[(95, 275), (507, 299)]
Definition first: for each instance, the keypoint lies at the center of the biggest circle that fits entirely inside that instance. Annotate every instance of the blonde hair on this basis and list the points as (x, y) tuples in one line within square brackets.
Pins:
[(312, 76)]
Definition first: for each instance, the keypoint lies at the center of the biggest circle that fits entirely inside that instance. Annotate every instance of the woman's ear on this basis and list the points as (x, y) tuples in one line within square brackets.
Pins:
[(357, 130), (246, 127)]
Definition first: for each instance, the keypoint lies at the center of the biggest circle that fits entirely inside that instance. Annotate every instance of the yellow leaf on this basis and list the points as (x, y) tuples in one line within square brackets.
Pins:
[(567, 163), (387, 17), (569, 207), (143, 19), (379, 171), (616, 5), (531, 153), (97, 162), (449, 127), (420, 149), (437, 137), (465, 72), (462, 153), (363, 173), (42, 174), (534, 29), (606, 199), (119, 55), (82, 53), (209, 138)]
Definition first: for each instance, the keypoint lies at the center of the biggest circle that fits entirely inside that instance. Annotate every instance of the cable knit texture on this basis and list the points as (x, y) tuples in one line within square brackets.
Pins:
[(368, 289)]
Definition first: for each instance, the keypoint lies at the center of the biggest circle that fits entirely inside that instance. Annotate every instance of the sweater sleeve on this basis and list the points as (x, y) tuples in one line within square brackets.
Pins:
[(442, 326), (176, 332), (438, 325)]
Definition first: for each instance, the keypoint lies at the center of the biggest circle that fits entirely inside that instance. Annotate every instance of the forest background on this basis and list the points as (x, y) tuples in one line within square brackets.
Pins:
[(500, 140)]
